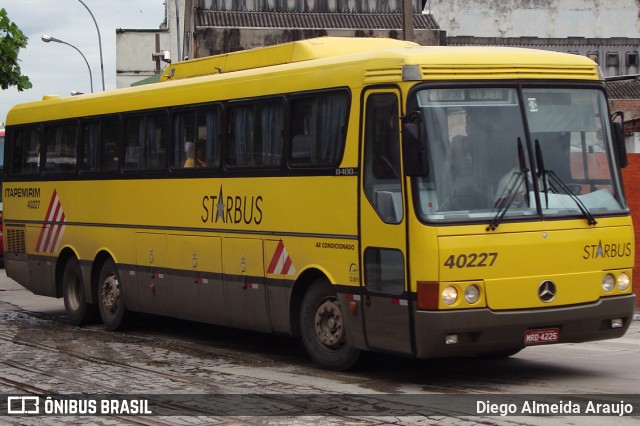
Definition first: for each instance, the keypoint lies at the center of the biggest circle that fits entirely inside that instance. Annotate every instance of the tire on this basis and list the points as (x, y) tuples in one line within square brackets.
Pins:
[(323, 329), (115, 315), (78, 310)]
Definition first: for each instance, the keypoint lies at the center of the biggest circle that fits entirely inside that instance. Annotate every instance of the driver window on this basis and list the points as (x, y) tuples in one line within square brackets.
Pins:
[(382, 182)]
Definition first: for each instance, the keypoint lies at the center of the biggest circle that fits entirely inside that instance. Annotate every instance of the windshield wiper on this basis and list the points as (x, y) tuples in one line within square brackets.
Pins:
[(543, 173), (511, 190)]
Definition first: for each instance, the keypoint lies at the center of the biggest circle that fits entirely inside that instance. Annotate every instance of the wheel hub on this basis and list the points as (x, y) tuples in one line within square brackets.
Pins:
[(110, 293), (329, 325)]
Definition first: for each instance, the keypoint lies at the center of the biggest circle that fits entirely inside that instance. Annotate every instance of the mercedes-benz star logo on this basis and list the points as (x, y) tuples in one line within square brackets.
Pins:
[(547, 291)]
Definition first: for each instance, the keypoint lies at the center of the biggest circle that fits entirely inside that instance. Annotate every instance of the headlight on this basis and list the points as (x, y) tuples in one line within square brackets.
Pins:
[(623, 281), (449, 295), (472, 294), (608, 282)]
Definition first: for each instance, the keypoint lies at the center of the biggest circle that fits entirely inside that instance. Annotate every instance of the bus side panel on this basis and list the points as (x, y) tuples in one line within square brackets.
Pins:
[(278, 290), (35, 274), (197, 283), (244, 283), (41, 276), (154, 280), (41, 266), (17, 269)]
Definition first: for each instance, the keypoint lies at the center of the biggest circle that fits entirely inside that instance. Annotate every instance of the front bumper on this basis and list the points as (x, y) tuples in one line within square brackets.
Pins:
[(482, 331)]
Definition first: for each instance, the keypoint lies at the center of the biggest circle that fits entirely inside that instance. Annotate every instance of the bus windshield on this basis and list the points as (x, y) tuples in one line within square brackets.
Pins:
[(493, 150)]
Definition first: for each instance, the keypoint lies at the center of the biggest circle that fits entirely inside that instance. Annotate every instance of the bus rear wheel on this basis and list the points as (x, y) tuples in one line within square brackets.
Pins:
[(115, 315), (323, 329), (78, 310)]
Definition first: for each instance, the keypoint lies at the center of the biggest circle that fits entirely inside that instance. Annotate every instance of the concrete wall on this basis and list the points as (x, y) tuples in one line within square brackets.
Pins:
[(540, 18), (134, 47), (133, 54)]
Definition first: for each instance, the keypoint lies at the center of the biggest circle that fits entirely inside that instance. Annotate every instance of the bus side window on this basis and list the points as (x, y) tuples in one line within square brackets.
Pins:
[(25, 151), (61, 148), (256, 134), (100, 145), (270, 121), (208, 130), (108, 146), (240, 140), (318, 125), (303, 131), (145, 141), (196, 138), (184, 138), (133, 134), (155, 145)]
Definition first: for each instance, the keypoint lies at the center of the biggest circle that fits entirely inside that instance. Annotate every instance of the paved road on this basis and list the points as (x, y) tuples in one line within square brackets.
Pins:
[(244, 373)]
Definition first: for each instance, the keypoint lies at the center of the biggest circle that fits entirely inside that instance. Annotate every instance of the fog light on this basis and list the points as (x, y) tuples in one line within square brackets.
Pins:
[(623, 281), (449, 295), (451, 339), (472, 294), (616, 323), (608, 282)]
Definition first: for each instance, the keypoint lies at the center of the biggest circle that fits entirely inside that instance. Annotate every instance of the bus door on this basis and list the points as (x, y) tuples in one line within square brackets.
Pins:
[(383, 245)]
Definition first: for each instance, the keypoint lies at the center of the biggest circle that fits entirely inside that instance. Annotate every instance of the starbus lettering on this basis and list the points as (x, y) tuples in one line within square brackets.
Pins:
[(605, 251), (231, 209)]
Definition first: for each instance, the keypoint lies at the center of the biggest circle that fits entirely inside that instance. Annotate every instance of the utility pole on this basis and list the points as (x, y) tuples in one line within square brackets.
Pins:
[(407, 20)]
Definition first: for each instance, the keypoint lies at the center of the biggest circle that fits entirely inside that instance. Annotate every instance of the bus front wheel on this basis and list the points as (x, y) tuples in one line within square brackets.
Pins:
[(323, 330), (78, 310), (115, 315)]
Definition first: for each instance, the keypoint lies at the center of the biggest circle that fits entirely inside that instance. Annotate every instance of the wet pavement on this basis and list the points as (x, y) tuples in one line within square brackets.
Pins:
[(245, 373)]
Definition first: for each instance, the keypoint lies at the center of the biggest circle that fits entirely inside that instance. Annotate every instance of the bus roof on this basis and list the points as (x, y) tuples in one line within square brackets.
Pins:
[(314, 64)]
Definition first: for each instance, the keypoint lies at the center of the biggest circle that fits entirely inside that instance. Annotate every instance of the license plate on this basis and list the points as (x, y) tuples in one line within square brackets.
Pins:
[(541, 336)]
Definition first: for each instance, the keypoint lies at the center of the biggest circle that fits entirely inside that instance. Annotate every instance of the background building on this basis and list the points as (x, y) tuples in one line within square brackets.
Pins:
[(139, 52), (197, 28), (219, 26), (606, 31)]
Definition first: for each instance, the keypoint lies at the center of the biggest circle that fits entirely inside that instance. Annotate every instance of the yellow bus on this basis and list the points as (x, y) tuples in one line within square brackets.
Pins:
[(363, 194)]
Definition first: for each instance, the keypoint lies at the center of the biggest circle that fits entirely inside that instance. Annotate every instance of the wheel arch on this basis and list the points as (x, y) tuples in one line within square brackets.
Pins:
[(300, 288), (65, 254)]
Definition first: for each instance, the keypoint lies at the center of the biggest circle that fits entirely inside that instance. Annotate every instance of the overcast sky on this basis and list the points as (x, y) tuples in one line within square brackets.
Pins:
[(58, 69)]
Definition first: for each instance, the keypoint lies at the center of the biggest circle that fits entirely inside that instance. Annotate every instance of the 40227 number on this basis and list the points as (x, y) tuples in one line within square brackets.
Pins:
[(471, 260)]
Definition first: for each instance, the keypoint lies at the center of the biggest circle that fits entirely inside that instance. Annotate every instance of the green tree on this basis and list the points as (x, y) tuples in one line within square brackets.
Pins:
[(11, 41)]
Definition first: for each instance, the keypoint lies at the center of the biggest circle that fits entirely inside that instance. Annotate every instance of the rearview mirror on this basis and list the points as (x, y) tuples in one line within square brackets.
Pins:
[(414, 146), (617, 133)]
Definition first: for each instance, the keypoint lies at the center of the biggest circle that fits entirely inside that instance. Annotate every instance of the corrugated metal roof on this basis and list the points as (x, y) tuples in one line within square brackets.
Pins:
[(624, 89), (312, 20)]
